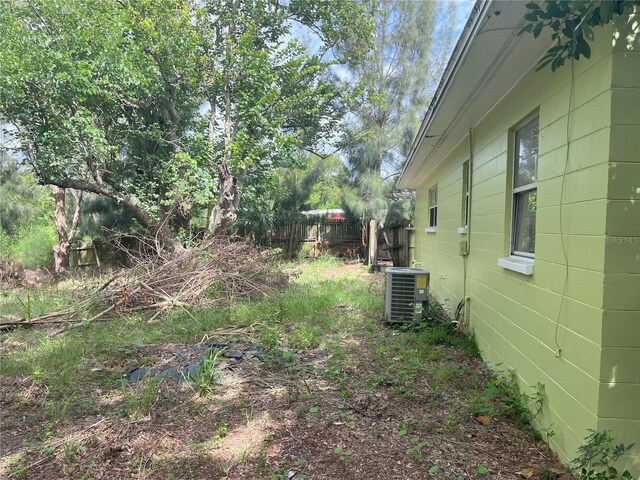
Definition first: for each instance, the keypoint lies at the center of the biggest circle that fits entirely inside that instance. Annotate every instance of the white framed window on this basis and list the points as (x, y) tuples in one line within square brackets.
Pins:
[(525, 188), (433, 207), (465, 194)]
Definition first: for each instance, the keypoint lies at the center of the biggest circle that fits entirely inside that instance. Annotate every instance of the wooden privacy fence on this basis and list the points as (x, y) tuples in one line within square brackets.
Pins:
[(341, 238), (84, 256), (344, 239), (400, 248), (115, 251)]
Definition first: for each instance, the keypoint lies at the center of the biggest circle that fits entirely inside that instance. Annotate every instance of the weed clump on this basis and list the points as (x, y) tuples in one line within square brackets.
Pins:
[(448, 335), (598, 456), (502, 397), (140, 400)]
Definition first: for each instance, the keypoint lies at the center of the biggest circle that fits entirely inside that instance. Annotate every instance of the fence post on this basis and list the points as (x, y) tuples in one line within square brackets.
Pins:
[(373, 242)]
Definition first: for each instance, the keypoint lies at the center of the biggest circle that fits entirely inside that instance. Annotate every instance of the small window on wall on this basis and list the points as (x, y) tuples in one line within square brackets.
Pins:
[(525, 189), (465, 194), (433, 207)]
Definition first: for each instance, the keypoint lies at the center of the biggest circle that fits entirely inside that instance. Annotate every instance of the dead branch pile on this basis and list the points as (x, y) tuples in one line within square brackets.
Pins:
[(219, 270), (11, 271), (13, 274), (222, 268)]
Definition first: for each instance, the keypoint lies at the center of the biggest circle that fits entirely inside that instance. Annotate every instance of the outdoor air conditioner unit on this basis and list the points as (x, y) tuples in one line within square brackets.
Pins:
[(406, 294)]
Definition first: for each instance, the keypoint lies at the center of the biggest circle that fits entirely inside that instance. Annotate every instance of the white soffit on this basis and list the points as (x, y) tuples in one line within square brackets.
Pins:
[(492, 61)]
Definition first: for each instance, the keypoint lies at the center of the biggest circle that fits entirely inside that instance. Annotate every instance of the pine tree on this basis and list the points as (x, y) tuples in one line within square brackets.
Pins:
[(396, 81)]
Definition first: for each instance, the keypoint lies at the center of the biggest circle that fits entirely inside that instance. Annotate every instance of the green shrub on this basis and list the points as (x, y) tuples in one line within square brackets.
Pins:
[(597, 457), (5, 244), (33, 247), (502, 397)]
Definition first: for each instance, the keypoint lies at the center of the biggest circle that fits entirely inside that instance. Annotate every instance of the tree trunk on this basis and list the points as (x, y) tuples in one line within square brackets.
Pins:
[(61, 250), (292, 238), (363, 238), (223, 214)]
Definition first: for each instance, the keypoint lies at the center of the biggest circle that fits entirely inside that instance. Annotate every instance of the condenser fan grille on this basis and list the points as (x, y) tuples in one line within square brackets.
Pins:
[(402, 297), (406, 294)]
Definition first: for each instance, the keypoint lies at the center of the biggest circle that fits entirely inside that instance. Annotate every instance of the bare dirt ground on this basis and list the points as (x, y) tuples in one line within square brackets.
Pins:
[(364, 409)]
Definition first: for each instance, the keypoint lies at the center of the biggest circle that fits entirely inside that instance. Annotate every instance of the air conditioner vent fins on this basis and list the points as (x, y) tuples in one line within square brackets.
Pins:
[(406, 294)]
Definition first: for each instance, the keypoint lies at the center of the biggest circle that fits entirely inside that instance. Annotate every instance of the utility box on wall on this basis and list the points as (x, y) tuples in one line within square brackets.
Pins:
[(406, 294)]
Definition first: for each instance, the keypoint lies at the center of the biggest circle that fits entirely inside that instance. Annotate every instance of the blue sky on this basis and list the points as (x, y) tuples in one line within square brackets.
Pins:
[(464, 9)]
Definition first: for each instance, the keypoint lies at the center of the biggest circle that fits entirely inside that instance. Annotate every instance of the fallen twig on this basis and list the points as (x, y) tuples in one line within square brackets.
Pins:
[(110, 281)]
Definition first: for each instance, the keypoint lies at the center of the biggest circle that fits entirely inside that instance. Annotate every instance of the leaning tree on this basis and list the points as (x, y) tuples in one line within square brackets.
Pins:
[(169, 106)]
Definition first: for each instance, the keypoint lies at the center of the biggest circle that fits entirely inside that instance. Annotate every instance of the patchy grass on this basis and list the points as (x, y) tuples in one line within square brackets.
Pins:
[(32, 302), (337, 394)]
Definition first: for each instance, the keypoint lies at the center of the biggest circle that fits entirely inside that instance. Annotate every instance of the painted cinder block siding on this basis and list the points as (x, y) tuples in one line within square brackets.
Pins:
[(583, 348), (619, 401)]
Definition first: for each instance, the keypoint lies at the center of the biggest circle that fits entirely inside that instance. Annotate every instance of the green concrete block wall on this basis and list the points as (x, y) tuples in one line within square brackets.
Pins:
[(521, 321), (619, 400)]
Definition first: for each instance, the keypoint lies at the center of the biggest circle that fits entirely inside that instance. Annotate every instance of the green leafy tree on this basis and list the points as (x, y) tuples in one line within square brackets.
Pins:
[(25, 211), (316, 183), (396, 82), (272, 95), (100, 92), (330, 178), (571, 23), (26, 229), (22, 201), (168, 107)]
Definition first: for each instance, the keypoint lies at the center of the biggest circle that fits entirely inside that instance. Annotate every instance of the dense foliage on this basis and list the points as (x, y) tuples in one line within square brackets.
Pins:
[(311, 182), (169, 107), (26, 231), (571, 23)]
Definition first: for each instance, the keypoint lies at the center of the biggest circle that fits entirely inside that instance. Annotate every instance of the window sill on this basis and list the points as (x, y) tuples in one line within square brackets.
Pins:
[(463, 230), (522, 265), (431, 229)]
